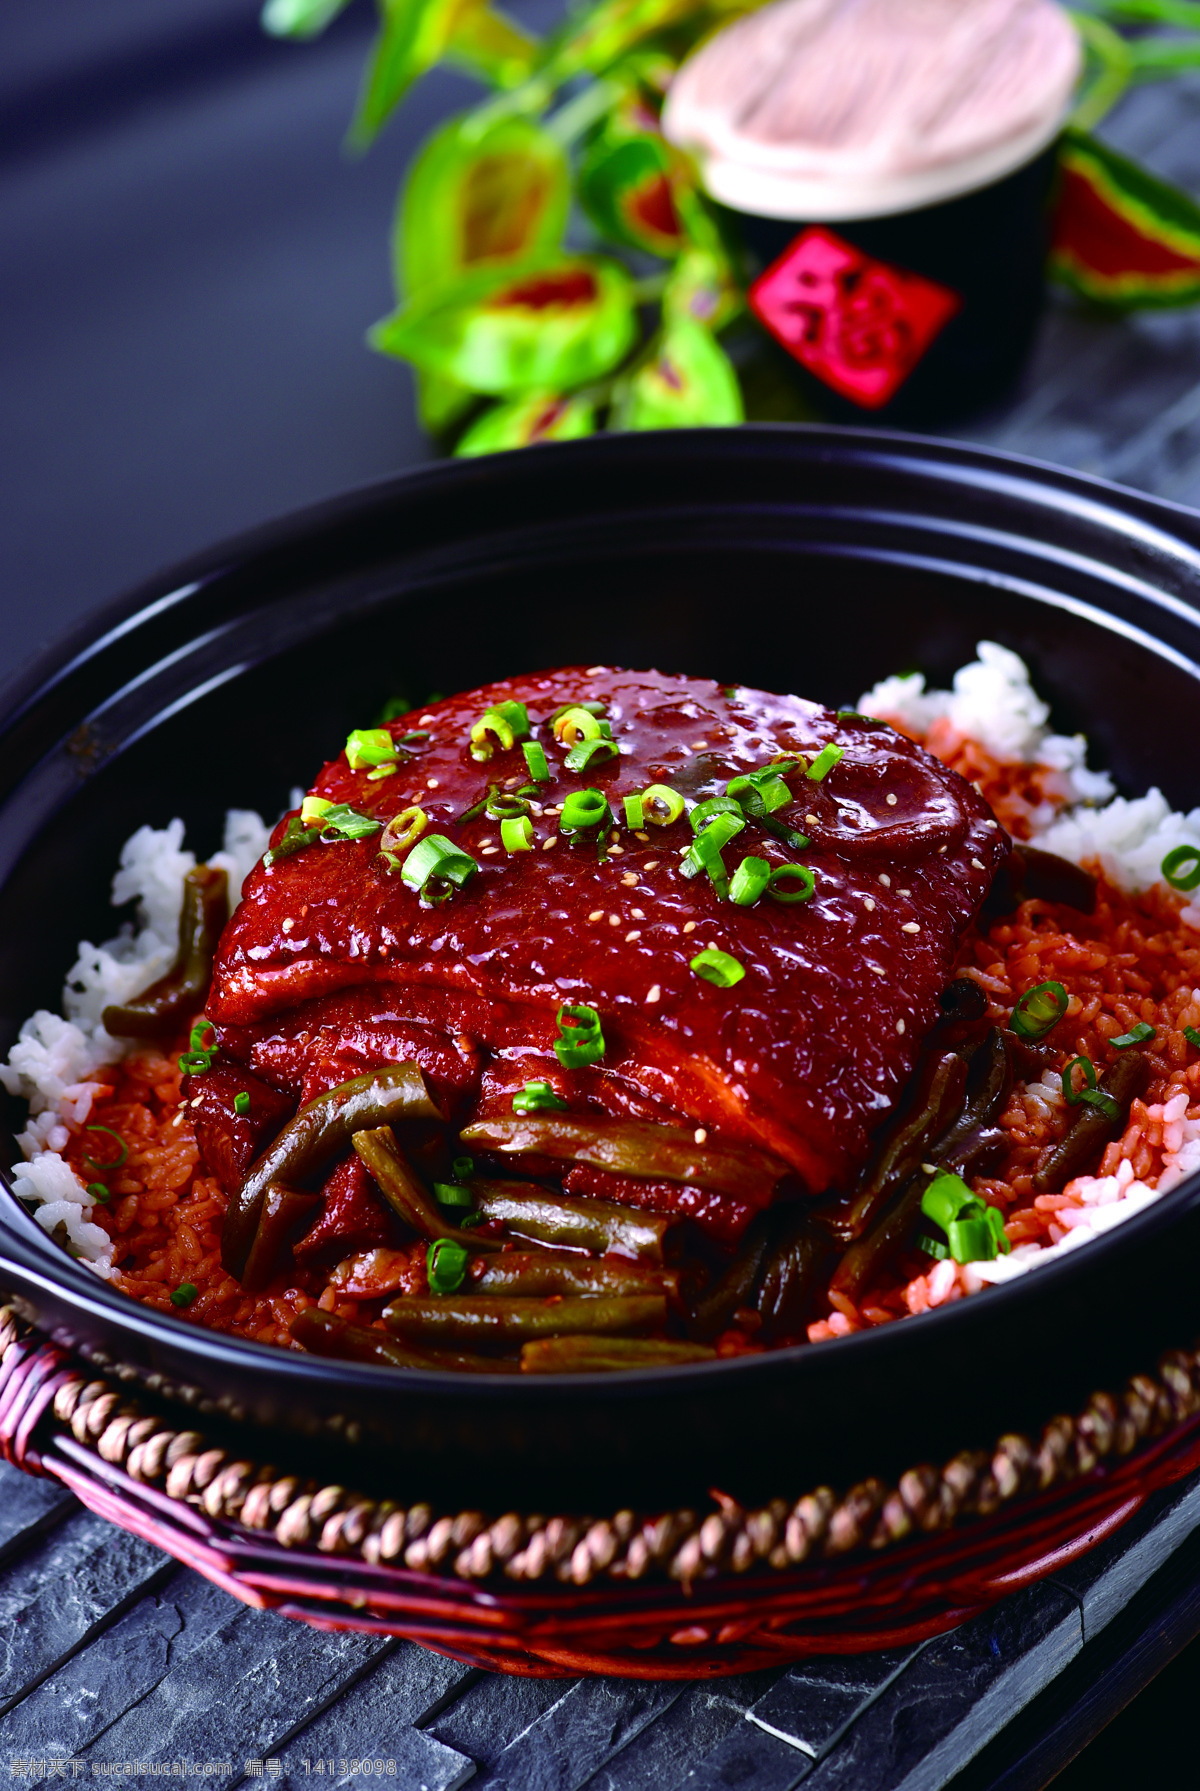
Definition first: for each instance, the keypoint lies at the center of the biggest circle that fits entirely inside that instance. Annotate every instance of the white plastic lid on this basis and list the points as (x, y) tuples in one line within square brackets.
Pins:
[(821, 110)]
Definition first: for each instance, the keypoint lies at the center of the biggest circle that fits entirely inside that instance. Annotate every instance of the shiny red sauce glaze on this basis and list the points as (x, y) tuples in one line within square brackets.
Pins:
[(332, 964)]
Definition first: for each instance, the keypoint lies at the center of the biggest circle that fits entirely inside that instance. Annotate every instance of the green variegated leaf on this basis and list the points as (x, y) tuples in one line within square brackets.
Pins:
[(703, 287), (416, 34), (541, 418), (480, 196), (687, 382), (493, 47), (558, 323), (440, 402), (300, 18), (592, 41), (626, 187)]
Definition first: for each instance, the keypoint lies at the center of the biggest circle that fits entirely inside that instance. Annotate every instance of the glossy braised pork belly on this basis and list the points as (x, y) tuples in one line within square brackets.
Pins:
[(350, 953)]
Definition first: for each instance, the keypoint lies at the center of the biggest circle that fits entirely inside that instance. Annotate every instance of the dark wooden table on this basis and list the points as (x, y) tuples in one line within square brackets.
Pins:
[(188, 270)]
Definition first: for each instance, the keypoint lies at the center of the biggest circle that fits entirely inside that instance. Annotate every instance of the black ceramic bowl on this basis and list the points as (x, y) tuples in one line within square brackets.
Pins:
[(803, 559)]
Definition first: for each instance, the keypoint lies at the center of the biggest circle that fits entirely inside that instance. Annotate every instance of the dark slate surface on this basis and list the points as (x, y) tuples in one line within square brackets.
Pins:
[(189, 266)]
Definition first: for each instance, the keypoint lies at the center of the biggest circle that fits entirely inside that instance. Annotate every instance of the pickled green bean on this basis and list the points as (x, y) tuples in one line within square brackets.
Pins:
[(498, 1319), (529, 1211), (399, 1186), (591, 1355), (158, 1011), (537, 1273), (318, 1132), (325, 1334), (630, 1147)]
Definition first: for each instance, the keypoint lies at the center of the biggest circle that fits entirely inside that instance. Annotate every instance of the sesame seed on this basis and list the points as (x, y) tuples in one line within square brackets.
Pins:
[(904, 892), (552, 841), (488, 851), (910, 926), (699, 745), (976, 865), (878, 969), (489, 839), (899, 1025), (651, 864), (431, 783), (644, 837), (596, 914), (886, 880), (594, 671), (891, 800), (992, 824), (288, 925), (423, 719), (689, 926), (178, 1120), (637, 914), (197, 1100), (653, 993), (701, 1135), (929, 1168), (617, 851), (869, 902), (631, 937), (629, 878), (811, 821), (614, 920)]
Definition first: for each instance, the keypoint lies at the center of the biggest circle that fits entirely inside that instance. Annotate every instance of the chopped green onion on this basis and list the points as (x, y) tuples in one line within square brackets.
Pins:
[(344, 823), (241, 1103), (462, 1167), (576, 723), (662, 796), (436, 867), (634, 812), (381, 771), (312, 808), (718, 967), (369, 746), (392, 710), (1192, 1037), (506, 721), (198, 1057), (749, 881), (99, 1193), (446, 1265), (868, 721), (704, 853), (971, 1240), (538, 1097), (499, 805), (579, 1043), (451, 1194), (517, 835), (1140, 1034), (583, 808), (759, 793), (1089, 1094), (796, 842), (1071, 1094), (791, 873), (401, 832), (592, 708), (933, 1248), (529, 790), (535, 759), (184, 1294), (705, 813), (584, 751), (946, 1197), (295, 837), (1173, 867), (825, 761), (1039, 1010)]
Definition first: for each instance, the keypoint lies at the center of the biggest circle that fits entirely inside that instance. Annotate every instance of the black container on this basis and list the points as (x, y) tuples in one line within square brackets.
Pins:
[(805, 559), (988, 247)]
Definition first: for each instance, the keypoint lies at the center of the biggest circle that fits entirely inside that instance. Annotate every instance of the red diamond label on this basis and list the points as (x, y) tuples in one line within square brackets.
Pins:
[(857, 324)]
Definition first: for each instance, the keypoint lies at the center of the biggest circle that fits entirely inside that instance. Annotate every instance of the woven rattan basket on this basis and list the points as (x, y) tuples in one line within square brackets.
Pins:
[(671, 1594)]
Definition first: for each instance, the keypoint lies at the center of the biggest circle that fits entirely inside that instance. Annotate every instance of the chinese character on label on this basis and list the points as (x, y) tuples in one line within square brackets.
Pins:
[(273, 1768), (18, 1768), (253, 1769), (857, 324)]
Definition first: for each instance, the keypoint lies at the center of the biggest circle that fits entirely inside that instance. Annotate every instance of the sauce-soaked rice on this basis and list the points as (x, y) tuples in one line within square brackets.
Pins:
[(1133, 960)]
